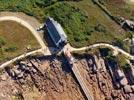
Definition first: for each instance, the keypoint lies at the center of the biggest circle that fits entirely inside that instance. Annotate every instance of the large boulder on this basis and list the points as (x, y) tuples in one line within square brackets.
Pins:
[(114, 93), (3, 77), (127, 89), (23, 62), (132, 88), (29, 64), (132, 97), (20, 75), (123, 81), (17, 72)]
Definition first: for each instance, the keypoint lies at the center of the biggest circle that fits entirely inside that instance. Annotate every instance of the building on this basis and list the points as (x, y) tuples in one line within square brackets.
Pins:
[(56, 32), (70, 58), (127, 24)]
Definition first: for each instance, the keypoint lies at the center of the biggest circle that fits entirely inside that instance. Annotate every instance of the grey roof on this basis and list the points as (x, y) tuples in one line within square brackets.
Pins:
[(55, 30), (130, 23)]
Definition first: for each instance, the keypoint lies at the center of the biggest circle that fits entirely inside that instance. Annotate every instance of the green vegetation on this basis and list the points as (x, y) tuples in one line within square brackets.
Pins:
[(17, 97), (103, 2), (11, 48), (110, 58), (100, 28), (83, 21), (14, 40), (73, 20), (120, 8), (31, 7), (122, 61), (118, 42), (2, 43)]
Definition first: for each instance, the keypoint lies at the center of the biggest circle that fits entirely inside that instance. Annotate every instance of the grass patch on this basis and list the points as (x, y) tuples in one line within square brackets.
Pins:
[(14, 39), (122, 61), (84, 22), (120, 8)]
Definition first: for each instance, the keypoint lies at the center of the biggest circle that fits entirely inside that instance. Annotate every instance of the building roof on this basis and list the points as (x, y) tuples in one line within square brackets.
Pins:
[(51, 27), (55, 30), (130, 23)]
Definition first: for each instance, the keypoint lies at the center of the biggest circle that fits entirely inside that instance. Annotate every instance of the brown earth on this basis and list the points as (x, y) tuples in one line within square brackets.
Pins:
[(46, 81), (50, 78)]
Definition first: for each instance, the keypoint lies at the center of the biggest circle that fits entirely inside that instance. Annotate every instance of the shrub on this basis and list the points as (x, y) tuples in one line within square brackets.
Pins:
[(2, 43), (129, 34), (118, 42), (73, 21), (122, 61), (45, 3), (100, 28), (11, 48), (103, 2)]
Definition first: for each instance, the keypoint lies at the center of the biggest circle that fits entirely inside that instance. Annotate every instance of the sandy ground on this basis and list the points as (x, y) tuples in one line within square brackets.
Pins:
[(31, 20), (131, 0)]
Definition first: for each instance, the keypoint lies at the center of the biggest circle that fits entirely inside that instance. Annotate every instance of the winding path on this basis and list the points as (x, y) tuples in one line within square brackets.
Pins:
[(44, 49), (20, 57), (27, 25), (101, 45)]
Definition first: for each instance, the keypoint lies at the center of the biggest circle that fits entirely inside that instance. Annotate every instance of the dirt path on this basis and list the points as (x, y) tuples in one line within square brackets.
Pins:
[(27, 25), (29, 19), (131, 1), (101, 45), (20, 57)]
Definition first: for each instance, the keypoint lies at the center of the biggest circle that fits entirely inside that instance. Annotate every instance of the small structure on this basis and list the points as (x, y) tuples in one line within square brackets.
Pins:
[(127, 24), (70, 58), (56, 32)]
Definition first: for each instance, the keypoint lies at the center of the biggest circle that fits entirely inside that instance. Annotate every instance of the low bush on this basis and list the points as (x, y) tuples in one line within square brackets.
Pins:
[(100, 28), (73, 20), (11, 48)]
